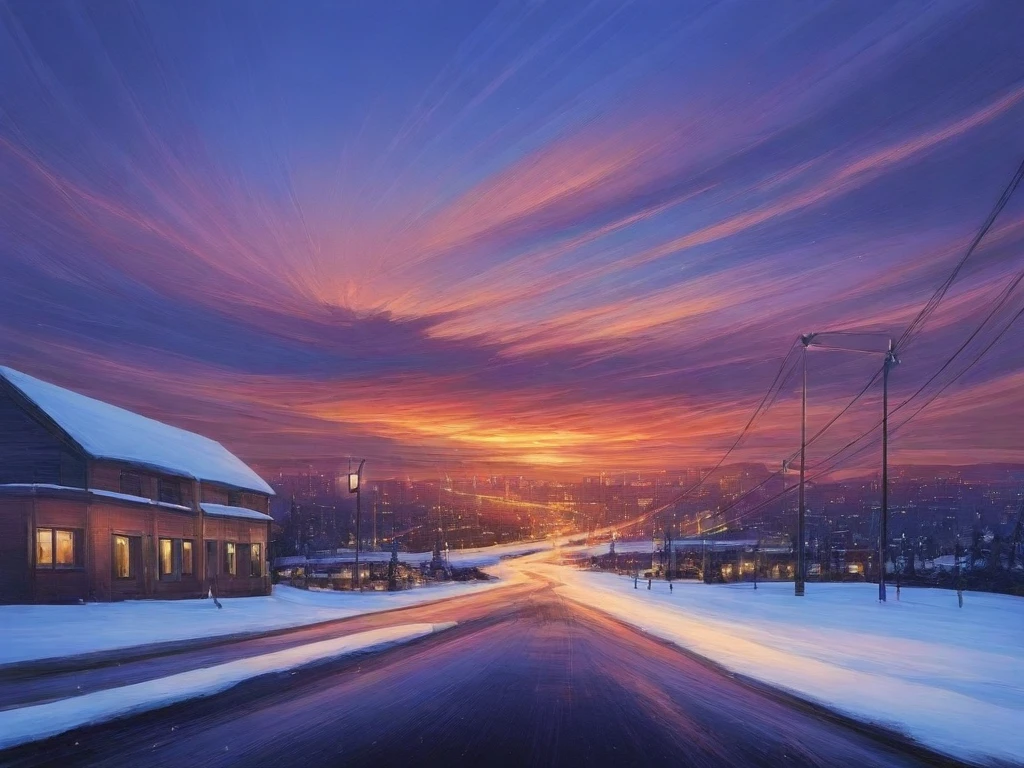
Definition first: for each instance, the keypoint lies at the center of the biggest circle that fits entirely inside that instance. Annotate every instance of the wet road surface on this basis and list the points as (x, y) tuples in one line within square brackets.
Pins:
[(526, 679)]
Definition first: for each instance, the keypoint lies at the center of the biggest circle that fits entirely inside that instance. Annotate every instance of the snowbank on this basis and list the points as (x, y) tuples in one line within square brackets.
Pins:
[(18, 726), (479, 557), (34, 632), (951, 678)]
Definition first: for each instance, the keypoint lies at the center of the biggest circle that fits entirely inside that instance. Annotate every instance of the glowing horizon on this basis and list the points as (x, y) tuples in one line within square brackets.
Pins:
[(532, 240)]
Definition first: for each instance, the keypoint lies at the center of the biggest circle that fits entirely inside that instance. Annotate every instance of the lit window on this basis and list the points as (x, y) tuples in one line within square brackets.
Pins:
[(56, 548), (44, 546), (166, 557), (65, 549), (255, 560), (122, 558), (229, 559), (186, 558)]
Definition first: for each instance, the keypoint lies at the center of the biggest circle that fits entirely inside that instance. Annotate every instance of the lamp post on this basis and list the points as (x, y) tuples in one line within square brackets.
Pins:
[(883, 537), (805, 340), (891, 361), (355, 483)]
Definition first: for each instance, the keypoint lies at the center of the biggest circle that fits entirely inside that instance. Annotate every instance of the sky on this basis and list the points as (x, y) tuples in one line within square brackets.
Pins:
[(547, 238)]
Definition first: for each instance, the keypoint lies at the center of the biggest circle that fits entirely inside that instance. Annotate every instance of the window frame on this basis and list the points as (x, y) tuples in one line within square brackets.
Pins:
[(174, 552), (211, 564), (169, 491), (187, 545), (256, 560), (230, 558), (40, 532), (132, 544), (77, 546), (134, 483)]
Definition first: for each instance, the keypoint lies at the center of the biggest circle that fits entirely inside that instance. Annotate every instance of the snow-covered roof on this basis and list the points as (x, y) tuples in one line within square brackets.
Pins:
[(107, 432), (222, 510), (138, 499)]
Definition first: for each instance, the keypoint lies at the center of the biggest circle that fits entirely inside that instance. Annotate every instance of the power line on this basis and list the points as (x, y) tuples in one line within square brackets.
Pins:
[(1003, 298), (766, 401), (833, 460), (912, 329), (940, 292)]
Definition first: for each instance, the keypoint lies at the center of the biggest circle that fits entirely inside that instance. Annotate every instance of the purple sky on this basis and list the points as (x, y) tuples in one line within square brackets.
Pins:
[(527, 236)]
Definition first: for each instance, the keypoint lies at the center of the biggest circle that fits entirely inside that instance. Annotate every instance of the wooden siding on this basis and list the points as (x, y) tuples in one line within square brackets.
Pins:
[(214, 493), (147, 525), (30, 452), (258, 501), (98, 520), (15, 550), (61, 585), (105, 475)]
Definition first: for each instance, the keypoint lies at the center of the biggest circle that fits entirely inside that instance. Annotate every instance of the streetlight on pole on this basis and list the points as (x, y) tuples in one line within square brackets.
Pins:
[(355, 484), (805, 340), (891, 361)]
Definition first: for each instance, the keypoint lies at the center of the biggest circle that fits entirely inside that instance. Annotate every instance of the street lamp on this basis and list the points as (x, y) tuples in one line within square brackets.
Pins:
[(355, 486), (805, 340), (891, 361)]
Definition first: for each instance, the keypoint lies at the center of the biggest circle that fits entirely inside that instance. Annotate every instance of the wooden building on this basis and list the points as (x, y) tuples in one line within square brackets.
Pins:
[(99, 503)]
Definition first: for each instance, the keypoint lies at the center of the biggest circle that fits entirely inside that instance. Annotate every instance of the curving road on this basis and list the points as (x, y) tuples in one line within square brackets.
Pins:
[(526, 679)]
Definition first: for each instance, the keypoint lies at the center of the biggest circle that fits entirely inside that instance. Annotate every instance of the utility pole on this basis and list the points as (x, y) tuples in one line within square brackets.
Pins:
[(801, 534), (890, 362), (757, 559)]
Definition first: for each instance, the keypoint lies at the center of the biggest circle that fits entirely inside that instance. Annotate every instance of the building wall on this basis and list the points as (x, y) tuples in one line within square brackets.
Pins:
[(222, 530), (106, 476), (95, 521), (214, 493), (52, 585), (258, 501), (146, 526), (15, 550), (31, 453)]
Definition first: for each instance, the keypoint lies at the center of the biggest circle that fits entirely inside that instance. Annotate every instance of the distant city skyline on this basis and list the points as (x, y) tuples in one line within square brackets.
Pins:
[(525, 238)]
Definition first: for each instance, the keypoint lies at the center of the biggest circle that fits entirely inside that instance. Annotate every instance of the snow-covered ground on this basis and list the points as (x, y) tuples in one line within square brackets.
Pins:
[(18, 726), (621, 547), (479, 557), (33, 632), (952, 678), (482, 557)]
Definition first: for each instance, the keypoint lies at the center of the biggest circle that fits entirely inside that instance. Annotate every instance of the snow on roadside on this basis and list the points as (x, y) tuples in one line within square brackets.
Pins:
[(25, 724), (952, 679), (34, 632), (478, 557)]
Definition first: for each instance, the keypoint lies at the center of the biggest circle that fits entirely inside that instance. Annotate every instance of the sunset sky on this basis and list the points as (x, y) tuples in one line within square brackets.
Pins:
[(543, 237)]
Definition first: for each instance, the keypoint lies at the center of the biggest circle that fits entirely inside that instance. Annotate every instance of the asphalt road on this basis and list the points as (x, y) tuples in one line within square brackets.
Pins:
[(526, 679)]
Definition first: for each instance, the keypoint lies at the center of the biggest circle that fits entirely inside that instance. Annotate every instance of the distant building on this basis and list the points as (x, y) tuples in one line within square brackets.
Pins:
[(99, 503)]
